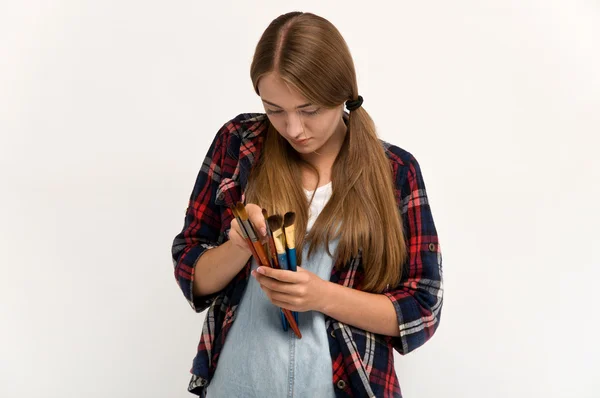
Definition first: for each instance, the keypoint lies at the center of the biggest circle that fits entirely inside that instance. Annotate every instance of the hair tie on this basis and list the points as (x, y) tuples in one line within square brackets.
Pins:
[(353, 105)]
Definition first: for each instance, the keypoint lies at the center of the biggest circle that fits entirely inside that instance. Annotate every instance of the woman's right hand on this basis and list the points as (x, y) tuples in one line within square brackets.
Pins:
[(258, 221)]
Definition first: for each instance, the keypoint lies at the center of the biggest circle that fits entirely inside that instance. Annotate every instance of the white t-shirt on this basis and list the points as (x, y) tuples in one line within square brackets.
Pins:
[(322, 195)]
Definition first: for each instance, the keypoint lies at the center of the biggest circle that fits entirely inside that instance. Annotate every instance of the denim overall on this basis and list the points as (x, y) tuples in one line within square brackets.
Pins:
[(259, 359)]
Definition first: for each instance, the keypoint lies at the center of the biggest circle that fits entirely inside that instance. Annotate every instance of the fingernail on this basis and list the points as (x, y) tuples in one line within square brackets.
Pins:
[(260, 270), (263, 231)]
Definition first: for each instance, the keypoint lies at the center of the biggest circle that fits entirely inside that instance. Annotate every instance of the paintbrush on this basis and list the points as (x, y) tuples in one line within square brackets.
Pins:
[(290, 241), (246, 226), (290, 238), (260, 250), (276, 225), (271, 250), (245, 234)]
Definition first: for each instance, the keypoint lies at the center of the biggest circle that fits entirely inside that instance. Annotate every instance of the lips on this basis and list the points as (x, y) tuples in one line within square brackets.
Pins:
[(301, 142)]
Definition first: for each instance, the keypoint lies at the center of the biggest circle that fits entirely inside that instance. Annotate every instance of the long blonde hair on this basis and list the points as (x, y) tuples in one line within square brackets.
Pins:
[(310, 54)]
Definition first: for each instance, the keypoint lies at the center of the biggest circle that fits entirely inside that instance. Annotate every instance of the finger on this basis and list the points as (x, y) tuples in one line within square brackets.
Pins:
[(284, 301), (283, 275), (236, 237), (275, 285), (280, 298), (257, 219), (285, 305)]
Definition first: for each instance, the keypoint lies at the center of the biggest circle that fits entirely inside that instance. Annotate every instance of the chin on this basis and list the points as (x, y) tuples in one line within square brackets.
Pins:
[(303, 149), (308, 147)]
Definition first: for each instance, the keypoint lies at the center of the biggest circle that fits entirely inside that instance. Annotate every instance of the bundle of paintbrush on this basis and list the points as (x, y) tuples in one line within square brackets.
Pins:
[(282, 229), (271, 253)]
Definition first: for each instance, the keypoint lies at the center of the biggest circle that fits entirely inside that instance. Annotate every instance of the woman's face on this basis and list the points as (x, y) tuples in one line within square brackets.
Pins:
[(307, 127)]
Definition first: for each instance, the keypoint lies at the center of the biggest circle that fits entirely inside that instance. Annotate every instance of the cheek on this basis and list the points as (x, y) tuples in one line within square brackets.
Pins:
[(323, 129), (278, 123)]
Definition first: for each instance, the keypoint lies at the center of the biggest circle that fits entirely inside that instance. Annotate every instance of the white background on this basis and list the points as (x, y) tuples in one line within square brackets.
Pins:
[(107, 109)]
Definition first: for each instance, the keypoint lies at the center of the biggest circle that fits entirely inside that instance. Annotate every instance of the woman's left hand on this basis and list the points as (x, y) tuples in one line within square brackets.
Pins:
[(296, 291)]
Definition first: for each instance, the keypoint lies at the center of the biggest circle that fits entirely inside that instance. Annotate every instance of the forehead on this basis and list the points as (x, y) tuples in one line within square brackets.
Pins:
[(274, 89)]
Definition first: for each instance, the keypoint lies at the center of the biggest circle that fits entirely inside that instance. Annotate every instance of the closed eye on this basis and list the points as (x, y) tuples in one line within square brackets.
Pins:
[(311, 113), (308, 113)]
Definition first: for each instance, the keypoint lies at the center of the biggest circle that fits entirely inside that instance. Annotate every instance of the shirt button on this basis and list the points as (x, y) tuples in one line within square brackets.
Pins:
[(431, 247), (341, 384)]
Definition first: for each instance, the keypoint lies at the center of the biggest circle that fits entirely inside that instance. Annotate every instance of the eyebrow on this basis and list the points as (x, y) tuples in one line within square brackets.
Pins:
[(277, 106)]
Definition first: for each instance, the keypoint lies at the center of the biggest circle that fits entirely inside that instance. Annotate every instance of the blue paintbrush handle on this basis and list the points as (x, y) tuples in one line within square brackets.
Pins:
[(284, 265), (284, 322), (291, 257)]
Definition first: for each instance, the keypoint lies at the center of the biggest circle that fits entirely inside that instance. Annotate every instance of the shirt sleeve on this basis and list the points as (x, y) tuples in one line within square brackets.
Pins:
[(202, 224), (419, 296)]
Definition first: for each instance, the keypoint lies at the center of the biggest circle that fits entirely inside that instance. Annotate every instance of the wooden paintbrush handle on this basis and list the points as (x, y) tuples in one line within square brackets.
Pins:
[(273, 251), (260, 250), (253, 250), (292, 322)]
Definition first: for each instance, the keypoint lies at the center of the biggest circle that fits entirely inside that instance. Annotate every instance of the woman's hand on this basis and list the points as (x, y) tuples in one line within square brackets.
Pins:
[(258, 221), (296, 291)]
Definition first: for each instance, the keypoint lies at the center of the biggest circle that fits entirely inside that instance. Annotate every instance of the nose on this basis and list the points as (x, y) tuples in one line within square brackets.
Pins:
[(295, 128)]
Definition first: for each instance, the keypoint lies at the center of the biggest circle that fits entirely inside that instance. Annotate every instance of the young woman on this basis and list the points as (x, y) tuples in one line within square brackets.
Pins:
[(369, 279)]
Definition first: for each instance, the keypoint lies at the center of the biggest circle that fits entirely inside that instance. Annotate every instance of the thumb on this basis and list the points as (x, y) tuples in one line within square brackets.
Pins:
[(257, 219)]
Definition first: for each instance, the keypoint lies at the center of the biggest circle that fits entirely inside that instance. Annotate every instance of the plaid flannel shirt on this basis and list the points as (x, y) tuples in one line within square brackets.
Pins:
[(363, 362)]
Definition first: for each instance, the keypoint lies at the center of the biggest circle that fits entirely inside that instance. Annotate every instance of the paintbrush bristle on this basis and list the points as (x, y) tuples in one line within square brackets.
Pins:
[(289, 219), (234, 211), (266, 217), (241, 209), (275, 222)]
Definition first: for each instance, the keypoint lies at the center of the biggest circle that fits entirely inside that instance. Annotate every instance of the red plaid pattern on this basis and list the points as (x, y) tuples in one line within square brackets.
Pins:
[(357, 371)]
